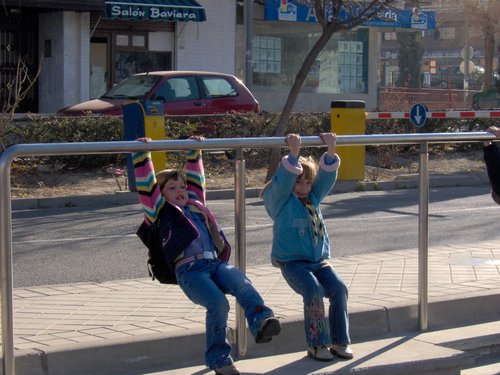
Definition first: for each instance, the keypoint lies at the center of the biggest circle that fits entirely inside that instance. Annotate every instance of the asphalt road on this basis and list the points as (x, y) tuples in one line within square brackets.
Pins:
[(67, 245)]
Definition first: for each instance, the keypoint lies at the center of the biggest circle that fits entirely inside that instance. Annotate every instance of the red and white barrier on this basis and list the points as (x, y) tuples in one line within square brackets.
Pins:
[(434, 114)]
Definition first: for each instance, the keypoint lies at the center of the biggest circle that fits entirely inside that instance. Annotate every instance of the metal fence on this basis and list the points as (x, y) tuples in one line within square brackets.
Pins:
[(238, 144)]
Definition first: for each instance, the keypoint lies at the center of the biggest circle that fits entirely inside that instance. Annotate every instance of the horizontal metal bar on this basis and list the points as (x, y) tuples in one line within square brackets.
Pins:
[(47, 149)]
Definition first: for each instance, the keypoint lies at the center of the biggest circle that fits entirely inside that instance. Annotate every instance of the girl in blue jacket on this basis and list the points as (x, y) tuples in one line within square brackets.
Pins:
[(301, 245)]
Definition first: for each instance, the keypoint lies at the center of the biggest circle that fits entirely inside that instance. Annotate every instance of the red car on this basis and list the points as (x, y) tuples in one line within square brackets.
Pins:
[(183, 93)]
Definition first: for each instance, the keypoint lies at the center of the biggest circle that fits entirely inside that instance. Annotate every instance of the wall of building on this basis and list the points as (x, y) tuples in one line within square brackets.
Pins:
[(374, 78), (208, 45), (161, 41), (64, 78), (273, 100)]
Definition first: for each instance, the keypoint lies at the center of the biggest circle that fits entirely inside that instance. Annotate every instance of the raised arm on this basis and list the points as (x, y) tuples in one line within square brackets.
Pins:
[(279, 190), (195, 174), (328, 166), (147, 188)]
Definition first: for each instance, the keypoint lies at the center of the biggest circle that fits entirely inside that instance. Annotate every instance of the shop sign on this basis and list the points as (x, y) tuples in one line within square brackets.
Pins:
[(186, 10), (287, 10)]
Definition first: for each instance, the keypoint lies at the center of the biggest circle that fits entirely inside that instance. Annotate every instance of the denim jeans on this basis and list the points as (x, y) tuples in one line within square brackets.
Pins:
[(205, 282), (313, 281)]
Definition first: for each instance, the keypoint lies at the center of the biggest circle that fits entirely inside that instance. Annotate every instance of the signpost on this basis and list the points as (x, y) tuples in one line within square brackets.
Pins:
[(418, 115)]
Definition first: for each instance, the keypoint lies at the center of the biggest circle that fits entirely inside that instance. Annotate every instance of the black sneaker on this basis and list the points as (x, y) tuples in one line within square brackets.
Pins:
[(269, 327), (227, 370)]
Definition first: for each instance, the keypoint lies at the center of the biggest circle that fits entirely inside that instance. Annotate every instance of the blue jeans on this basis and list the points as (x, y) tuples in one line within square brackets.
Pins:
[(205, 282), (313, 281)]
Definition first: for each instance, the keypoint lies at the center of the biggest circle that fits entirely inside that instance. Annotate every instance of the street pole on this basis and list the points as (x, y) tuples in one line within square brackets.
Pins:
[(248, 9), (467, 57)]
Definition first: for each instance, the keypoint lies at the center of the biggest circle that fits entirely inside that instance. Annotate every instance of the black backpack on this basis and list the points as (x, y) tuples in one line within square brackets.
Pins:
[(158, 267)]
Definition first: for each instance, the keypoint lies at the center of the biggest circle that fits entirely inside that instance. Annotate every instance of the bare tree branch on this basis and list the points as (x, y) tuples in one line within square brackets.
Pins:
[(357, 13), (19, 87)]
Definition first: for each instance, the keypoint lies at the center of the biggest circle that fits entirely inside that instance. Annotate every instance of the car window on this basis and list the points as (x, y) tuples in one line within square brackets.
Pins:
[(133, 87), (164, 92), (178, 89), (218, 87)]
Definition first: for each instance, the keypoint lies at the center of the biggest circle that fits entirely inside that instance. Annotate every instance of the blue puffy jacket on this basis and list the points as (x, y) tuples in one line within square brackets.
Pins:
[(293, 237)]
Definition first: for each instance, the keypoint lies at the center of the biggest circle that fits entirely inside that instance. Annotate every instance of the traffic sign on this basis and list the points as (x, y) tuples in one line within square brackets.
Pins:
[(467, 53), (418, 115), (470, 67)]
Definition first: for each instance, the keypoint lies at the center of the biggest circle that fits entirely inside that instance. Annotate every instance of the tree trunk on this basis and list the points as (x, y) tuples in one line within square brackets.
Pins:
[(274, 158), (489, 47), (329, 27)]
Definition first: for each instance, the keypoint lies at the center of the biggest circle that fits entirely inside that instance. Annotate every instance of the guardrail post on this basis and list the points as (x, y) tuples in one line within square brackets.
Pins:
[(6, 279), (240, 241), (423, 236)]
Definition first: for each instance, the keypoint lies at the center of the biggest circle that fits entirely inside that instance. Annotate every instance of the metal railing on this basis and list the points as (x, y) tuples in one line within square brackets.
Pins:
[(238, 144)]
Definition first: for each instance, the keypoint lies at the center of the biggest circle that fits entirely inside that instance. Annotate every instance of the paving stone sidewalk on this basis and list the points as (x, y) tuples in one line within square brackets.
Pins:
[(89, 313)]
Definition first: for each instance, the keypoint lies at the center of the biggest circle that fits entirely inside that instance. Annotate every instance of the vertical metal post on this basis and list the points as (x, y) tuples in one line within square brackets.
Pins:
[(466, 57), (423, 236), (6, 282), (248, 13), (240, 242)]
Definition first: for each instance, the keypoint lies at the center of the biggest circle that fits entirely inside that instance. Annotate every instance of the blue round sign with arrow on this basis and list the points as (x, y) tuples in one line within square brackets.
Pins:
[(418, 115)]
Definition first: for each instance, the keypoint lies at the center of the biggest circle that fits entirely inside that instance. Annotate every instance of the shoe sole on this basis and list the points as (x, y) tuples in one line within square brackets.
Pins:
[(271, 328), (319, 359), (220, 373)]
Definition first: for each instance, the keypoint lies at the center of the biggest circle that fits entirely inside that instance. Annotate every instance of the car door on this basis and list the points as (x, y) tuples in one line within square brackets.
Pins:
[(181, 96), (224, 95)]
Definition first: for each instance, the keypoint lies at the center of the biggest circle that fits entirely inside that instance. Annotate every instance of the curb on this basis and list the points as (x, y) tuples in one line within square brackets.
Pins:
[(154, 351), (410, 181)]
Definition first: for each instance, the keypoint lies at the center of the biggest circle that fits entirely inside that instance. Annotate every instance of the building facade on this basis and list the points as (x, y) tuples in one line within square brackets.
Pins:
[(82, 48), (454, 41)]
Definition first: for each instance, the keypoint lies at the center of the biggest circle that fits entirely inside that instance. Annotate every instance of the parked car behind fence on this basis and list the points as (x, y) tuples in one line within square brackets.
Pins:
[(182, 92)]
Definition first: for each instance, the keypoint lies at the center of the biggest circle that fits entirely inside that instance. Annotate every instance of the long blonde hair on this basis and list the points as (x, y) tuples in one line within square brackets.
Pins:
[(309, 168), (309, 171)]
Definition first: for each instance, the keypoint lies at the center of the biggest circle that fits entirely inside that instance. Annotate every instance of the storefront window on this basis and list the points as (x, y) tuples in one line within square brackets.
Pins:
[(128, 63), (266, 54), (278, 53)]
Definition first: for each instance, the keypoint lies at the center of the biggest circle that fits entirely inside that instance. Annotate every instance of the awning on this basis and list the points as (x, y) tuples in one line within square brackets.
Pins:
[(75, 5), (155, 10)]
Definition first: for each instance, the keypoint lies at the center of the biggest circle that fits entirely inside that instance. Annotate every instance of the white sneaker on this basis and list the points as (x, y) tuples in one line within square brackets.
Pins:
[(320, 353), (342, 351)]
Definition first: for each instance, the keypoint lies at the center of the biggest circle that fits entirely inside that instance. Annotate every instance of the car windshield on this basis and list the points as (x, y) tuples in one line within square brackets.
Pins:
[(133, 87)]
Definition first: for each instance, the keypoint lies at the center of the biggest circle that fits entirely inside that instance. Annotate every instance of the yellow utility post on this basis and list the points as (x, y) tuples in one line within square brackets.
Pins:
[(154, 128), (348, 117), (144, 119)]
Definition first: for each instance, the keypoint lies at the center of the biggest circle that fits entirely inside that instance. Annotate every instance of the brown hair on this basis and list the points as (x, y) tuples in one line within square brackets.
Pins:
[(165, 175)]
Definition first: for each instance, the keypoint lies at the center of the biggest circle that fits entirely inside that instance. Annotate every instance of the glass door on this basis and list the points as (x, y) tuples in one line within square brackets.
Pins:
[(99, 57)]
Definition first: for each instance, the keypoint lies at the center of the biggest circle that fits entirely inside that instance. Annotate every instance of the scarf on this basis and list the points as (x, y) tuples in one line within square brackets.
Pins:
[(317, 223)]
